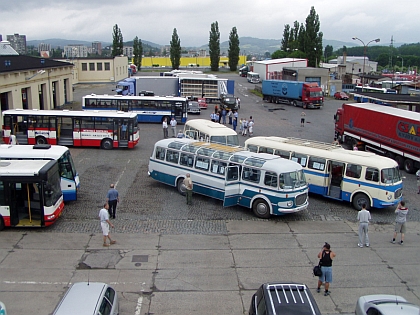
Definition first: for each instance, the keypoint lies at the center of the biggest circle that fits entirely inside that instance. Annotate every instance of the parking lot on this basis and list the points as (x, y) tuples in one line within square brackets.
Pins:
[(175, 259)]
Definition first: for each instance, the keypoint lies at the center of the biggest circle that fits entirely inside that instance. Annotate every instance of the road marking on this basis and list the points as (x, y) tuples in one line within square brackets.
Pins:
[(122, 173), (138, 306)]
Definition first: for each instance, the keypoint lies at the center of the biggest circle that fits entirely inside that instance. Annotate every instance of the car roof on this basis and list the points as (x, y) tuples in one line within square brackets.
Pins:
[(81, 298), (402, 308)]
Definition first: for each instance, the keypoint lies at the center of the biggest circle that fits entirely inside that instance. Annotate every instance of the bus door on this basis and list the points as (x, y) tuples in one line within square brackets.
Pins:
[(335, 179), (122, 128), (176, 110), (232, 186), (64, 131), (25, 204)]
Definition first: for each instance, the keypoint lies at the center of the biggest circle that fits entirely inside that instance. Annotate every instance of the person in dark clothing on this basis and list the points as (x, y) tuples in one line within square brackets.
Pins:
[(112, 199), (326, 256)]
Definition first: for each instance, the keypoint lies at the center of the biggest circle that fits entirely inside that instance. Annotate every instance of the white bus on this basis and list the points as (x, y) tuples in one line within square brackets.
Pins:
[(30, 194), (70, 182), (105, 129), (253, 77), (208, 131), (355, 176), (267, 184)]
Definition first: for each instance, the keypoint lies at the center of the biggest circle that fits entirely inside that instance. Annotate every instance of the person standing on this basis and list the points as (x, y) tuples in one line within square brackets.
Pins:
[(165, 128), (224, 116), (400, 221), (13, 139), (124, 131), (244, 126), (235, 121), (363, 216), (173, 126), (229, 114), (302, 119), (251, 126), (213, 117), (188, 188), (112, 199), (326, 256), (105, 224)]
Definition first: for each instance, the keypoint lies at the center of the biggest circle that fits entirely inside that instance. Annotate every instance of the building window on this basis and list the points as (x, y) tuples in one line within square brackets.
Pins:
[(107, 66), (84, 66), (99, 66), (91, 66)]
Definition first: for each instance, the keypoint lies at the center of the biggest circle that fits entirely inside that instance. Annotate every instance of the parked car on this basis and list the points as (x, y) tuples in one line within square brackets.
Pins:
[(87, 298), (384, 304), (193, 107), (283, 298), (341, 96), (2, 309), (202, 102)]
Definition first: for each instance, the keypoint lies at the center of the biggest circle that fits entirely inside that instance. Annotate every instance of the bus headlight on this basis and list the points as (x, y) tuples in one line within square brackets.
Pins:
[(289, 204)]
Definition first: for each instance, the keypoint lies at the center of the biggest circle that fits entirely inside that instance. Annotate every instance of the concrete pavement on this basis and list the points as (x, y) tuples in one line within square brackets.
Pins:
[(206, 274)]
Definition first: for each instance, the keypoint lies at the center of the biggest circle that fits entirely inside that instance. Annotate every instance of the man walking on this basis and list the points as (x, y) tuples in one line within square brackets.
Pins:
[(363, 216), (173, 127), (302, 119), (165, 128), (112, 199), (188, 188), (105, 224), (400, 221), (326, 256)]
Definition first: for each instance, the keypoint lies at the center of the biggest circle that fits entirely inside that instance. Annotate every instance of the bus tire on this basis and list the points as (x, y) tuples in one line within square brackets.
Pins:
[(409, 166), (180, 186), (261, 209), (294, 103), (40, 140), (359, 200), (107, 144), (400, 161), (1, 223)]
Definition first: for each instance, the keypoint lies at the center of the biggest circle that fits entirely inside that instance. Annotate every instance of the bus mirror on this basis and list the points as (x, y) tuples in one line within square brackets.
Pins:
[(335, 117)]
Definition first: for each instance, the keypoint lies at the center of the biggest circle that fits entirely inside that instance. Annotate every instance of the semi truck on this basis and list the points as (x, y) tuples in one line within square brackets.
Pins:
[(296, 93), (385, 130), (201, 86)]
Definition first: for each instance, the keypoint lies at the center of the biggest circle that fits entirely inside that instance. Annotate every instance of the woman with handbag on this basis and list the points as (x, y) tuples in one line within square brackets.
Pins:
[(326, 256)]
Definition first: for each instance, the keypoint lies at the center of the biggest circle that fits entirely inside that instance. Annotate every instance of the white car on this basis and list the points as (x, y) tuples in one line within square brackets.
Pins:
[(384, 304), (2, 309)]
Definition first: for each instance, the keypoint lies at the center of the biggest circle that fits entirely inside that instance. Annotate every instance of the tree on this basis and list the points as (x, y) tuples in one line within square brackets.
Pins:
[(214, 46), (137, 52), (313, 39), (233, 51), (175, 50), (328, 52), (117, 42), (285, 39), (278, 54)]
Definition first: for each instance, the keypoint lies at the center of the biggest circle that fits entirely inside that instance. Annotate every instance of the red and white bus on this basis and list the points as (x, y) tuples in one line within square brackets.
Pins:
[(30, 193), (107, 130)]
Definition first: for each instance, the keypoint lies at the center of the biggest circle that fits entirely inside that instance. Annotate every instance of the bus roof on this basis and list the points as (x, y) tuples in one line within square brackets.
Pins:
[(32, 151), (134, 97), (69, 113), (231, 154), (322, 150), (210, 127), (30, 168)]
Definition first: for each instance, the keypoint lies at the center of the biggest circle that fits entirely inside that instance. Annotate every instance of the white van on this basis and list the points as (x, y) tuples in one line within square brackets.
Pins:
[(208, 131)]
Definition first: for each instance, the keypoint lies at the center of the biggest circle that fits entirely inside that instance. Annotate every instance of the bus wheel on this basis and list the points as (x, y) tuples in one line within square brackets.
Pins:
[(409, 166), (294, 103), (1, 223), (41, 140), (107, 144), (181, 187), (400, 161), (359, 200), (261, 209)]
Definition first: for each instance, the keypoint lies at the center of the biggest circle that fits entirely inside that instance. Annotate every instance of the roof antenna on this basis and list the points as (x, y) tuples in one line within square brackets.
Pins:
[(88, 276)]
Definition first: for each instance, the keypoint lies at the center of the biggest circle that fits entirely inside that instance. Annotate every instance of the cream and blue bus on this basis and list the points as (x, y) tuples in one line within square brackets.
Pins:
[(209, 131), (267, 184), (358, 177)]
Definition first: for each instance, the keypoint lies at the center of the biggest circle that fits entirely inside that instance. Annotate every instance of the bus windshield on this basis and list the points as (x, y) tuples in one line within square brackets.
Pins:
[(52, 189), (66, 165), (390, 175), (292, 180)]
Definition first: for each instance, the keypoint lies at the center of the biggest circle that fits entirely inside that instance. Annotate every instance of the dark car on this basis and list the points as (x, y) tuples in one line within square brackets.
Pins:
[(341, 96), (228, 102), (283, 298)]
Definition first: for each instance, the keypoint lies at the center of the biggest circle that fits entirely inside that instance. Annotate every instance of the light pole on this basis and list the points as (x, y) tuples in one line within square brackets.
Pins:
[(402, 63), (377, 40)]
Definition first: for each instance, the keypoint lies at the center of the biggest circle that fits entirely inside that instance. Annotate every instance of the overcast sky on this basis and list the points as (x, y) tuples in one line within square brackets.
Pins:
[(154, 20)]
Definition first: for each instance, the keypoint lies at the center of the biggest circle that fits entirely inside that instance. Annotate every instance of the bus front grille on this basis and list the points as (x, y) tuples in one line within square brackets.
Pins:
[(398, 193), (301, 199)]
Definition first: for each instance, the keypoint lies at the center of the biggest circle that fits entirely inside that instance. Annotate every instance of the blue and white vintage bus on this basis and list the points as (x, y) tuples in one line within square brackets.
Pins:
[(358, 177), (267, 184)]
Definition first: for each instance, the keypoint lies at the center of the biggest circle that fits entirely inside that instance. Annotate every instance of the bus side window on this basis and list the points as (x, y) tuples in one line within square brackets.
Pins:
[(353, 171), (316, 163), (172, 156), (270, 179), (283, 154), (253, 148), (372, 174), (160, 153)]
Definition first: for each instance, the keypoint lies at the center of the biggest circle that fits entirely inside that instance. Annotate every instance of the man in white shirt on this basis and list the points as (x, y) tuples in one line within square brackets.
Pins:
[(363, 216), (105, 224), (173, 126), (165, 128)]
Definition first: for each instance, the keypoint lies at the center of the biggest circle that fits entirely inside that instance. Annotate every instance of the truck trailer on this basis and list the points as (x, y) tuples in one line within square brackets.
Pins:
[(388, 131), (296, 93)]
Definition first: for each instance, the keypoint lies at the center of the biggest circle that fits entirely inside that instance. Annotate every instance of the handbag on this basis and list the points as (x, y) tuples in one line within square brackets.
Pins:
[(317, 271)]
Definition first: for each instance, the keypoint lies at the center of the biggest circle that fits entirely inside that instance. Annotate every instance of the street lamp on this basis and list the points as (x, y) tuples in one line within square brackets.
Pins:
[(377, 40), (402, 63)]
